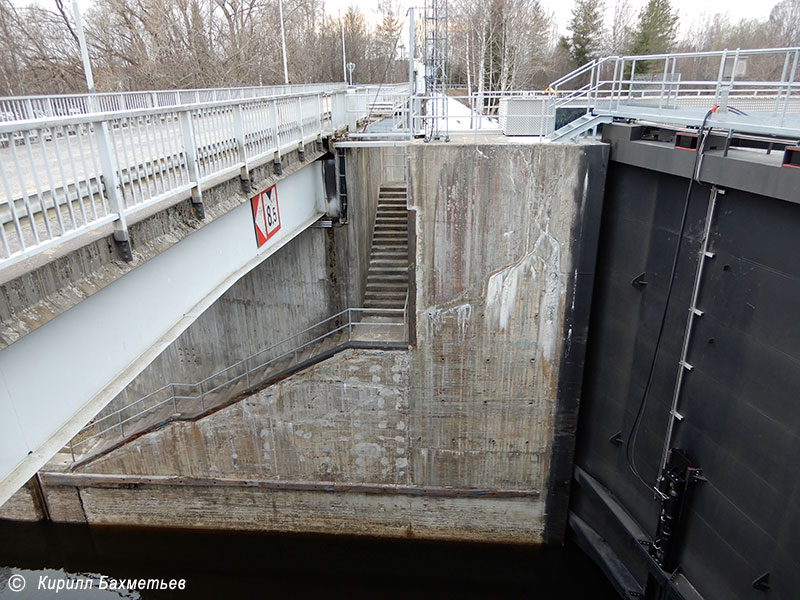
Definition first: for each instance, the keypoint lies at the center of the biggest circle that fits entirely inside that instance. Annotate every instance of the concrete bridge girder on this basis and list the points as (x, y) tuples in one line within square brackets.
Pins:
[(57, 378)]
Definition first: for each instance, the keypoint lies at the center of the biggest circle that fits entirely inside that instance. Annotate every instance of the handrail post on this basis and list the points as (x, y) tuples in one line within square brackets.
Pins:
[(238, 125), (319, 116), (783, 80), (192, 162), (277, 159), (301, 146), (790, 85), (112, 188), (349, 325), (663, 84), (613, 84), (721, 74)]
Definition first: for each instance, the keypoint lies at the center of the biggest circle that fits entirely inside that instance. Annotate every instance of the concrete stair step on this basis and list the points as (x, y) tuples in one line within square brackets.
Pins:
[(389, 233), (398, 264), (392, 248), (383, 242), (388, 293), (390, 264), (383, 305), (379, 315), (398, 283), (388, 286), (382, 274), (399, 253), (383, 298)]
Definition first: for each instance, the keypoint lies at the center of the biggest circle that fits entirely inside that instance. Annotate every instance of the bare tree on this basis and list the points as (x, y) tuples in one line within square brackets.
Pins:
[(618, 33)]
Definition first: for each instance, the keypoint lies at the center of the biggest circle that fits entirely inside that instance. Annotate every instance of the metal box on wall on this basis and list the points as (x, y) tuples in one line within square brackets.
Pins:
[(526, 115)]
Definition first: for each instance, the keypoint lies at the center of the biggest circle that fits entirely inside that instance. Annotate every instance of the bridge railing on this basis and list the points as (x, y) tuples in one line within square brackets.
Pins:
[(61, 177), (22, 108), (175, 401)]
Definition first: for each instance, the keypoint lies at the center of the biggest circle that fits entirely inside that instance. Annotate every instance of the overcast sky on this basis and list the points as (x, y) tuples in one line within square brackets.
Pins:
[(689, 10)]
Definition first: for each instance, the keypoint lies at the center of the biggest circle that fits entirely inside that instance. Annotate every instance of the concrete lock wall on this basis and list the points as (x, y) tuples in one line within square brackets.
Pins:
[(507, 237), (467, 435)]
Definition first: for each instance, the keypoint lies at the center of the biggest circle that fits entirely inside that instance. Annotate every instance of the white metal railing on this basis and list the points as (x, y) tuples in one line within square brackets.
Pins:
[(743, 84), (756, 91), (390, 100), (20, 108), (61, 177), (185, 400)]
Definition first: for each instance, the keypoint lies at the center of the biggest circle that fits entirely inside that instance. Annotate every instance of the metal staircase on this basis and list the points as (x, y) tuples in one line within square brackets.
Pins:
[(387, 278), (578, 127)]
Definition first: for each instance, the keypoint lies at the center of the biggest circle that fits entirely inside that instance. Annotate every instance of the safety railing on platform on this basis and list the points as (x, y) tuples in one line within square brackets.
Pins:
[(388, 102), (755, 91), (758, 90), (61, 177), (386, 327)]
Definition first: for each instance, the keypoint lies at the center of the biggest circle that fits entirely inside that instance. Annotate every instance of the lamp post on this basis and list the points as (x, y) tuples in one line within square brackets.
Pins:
[(283, 43), (344, 54), (87, 67)]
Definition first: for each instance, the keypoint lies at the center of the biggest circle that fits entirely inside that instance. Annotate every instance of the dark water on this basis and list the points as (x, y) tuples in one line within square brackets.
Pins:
[(244, 565)]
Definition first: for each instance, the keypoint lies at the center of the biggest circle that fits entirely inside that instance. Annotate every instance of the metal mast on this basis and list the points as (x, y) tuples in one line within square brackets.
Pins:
[(435, 64)]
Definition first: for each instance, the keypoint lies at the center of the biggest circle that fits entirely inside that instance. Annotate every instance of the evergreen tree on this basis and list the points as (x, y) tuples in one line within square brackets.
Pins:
[(657, 28), (587, 31)]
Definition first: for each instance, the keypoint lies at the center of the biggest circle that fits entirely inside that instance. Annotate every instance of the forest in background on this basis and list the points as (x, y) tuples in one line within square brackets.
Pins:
[(492, 45)]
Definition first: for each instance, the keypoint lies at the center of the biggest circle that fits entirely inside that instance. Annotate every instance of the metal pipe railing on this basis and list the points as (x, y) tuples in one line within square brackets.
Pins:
[(246, 369), (19, 108), (63, 176)]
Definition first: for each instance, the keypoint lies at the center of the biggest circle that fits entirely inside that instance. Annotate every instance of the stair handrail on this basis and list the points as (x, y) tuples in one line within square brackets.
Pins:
[(174, 397)]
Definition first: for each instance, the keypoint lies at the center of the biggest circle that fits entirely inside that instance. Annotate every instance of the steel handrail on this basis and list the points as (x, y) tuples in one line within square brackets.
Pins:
[(95, 117), (74, 174), (202, 394), (23, 105)]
